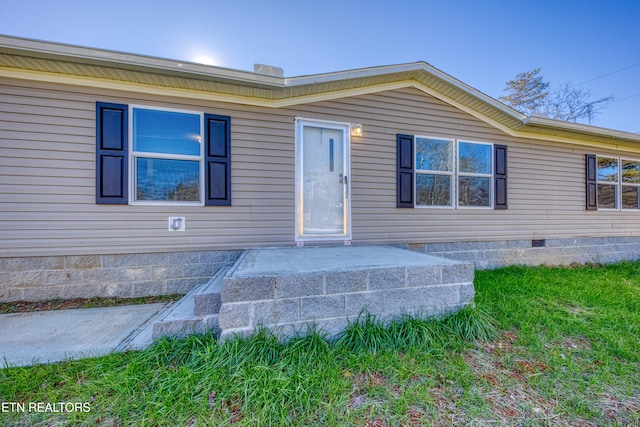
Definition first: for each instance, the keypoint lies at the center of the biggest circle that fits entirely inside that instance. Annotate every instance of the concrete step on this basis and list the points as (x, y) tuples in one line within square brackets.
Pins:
[(186, 326), (196, 312), (207, 298)]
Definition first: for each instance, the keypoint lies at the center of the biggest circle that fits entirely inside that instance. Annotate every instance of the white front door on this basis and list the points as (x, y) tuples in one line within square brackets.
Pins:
[(322, 181)]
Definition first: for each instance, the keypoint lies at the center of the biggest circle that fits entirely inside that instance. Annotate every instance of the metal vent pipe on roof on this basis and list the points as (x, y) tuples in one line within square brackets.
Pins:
[(268, 70)]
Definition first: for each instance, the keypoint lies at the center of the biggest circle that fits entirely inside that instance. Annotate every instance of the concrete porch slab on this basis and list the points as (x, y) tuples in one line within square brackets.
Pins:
[(338, 258)]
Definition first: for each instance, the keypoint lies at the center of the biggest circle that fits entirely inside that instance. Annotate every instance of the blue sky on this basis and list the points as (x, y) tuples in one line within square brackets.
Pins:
[(592, 44)]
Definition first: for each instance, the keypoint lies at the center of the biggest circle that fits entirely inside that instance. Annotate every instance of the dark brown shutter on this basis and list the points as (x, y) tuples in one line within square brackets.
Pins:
[(112, 148), (217, 131), (500, 176), (591, 167), (405, 171)]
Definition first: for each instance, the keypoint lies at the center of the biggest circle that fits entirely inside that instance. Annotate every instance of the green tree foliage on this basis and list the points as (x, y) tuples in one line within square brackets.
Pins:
[(529, 94)]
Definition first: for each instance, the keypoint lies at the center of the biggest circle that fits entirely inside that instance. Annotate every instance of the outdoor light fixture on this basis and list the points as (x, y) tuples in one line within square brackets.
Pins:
[(356, 129)]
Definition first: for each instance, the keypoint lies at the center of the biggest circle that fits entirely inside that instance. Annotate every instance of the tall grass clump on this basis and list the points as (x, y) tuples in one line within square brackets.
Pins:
[(419, 332), (367, 333), (470, 324), (312, 347), (263, 347)]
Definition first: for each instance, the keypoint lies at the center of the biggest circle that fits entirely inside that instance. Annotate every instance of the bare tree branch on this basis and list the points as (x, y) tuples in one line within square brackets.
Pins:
[(528, 93), (571, 104)]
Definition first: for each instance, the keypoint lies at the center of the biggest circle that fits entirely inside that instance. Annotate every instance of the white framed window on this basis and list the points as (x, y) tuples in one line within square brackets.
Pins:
[(434, 171), (475, 174), (618, 183), (453, 173), (166, 156), (608, 173), (630, 183)]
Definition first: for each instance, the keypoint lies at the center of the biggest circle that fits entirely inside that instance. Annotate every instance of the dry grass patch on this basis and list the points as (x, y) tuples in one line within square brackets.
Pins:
[(75, 303)]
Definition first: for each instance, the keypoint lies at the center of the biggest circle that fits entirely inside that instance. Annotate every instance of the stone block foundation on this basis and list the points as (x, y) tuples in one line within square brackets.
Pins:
[(133, 275), (122, 275), (551, 252)]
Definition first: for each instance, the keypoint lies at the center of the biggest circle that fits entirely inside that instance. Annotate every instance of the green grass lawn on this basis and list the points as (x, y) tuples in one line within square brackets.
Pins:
[(544, 346)]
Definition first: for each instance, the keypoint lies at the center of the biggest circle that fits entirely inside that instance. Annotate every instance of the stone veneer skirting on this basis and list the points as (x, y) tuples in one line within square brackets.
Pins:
[(124, 275), (130, 275), (552, 252)]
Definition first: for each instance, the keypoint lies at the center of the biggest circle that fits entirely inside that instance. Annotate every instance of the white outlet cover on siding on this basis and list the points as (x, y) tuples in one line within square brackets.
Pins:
[(177, 223)]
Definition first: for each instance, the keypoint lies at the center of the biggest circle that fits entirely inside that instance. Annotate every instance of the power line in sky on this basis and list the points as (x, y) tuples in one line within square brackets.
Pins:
[(626, 97), (609, 74)]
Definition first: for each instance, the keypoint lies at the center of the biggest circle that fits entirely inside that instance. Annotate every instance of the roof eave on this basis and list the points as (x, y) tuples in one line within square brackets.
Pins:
[(412, 67), (101, 57), (557, 127)]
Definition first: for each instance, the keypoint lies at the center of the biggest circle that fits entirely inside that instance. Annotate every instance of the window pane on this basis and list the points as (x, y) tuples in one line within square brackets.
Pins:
[(167, 180), (631, 171), (434, 154), (607, 169), (473, 191), (630, 197), (475, 158), (607, 196), (166, 132), (433, 190)]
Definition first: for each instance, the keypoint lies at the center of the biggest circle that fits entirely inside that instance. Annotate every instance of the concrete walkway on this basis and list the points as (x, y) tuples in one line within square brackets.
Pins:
[(52, 336)]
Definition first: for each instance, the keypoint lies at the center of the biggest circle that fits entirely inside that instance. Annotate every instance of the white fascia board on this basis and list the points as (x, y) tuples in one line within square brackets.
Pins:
[(421, 66), (474, 92), (335, 76), (535, 121), (118, 59)]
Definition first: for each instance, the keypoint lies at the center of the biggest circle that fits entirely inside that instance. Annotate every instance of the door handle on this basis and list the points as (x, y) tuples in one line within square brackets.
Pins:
[(346, 182)]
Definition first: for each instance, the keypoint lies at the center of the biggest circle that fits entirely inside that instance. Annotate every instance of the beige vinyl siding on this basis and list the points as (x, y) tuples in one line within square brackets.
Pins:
[(47, 178), (546, 180)]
